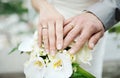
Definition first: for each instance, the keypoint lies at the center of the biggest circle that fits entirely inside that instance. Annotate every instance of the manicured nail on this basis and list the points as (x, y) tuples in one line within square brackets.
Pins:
[(59, 46), (71, 51), (53, 53), (47, 51), (92, 45)]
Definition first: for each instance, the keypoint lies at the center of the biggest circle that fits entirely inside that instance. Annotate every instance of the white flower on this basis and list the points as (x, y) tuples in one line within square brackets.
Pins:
[(84, 55), (35, 68), (60, 67), (29, 44), (26, 45)]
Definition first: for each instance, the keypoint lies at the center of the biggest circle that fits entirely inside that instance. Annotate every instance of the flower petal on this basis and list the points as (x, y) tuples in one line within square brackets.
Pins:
[(26, 45), (84, 56), (34, 68), (64, 72)]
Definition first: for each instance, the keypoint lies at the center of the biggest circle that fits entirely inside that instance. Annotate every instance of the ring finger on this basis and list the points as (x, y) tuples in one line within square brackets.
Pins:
[(45, 37), (67, 28)]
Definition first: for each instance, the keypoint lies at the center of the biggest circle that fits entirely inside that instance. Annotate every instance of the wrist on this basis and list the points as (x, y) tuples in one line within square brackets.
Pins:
[(44, 5), (85, 11), (40, 4)]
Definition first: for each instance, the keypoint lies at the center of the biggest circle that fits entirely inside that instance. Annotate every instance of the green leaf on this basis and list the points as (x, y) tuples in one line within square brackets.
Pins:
[(14, 49), (13, 6), (79, 72), (115, 29)]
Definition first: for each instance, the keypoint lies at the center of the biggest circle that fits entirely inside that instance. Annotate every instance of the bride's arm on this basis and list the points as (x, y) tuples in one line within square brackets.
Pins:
[(50, 27), (35, 4), (38, 4)]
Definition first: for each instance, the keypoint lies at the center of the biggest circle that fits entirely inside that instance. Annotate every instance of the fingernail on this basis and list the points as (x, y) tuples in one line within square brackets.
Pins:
[(53, 53), (59, 46), (92, 45), (71, 51), (47, 51)]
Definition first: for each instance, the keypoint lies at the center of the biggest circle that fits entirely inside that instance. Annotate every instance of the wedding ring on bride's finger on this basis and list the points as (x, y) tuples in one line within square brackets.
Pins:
[(44, 27)]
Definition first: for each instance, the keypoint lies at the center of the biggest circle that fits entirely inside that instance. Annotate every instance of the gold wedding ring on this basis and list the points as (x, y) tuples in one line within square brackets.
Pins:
[(44, 27), (72, 26)]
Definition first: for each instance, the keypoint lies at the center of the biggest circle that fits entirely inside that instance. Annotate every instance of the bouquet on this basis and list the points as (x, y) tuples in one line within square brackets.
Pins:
[(62, 65)]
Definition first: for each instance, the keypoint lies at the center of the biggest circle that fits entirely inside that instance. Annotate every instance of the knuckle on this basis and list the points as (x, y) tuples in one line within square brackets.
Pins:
[(60, 41), (51, 35), (59, 27), (46, 44), (94, 38), (50, 20), (51, 47), (66, 42), (45, 33), (45, 20), (52, 42), (72, 33), (94, 27), (59, 37), (46, 47), (82, 39), (90, 25), (59, 18), (77, 47), (59, 32), (39, 26), (70, 36), (80, 19), (45, 37)]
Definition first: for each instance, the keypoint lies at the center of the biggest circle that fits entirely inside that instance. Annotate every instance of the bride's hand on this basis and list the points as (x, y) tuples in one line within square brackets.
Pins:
[(84, 27), (50, 28)]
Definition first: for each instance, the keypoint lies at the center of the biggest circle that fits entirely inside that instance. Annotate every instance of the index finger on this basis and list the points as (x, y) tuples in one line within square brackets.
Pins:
[(80, 42)]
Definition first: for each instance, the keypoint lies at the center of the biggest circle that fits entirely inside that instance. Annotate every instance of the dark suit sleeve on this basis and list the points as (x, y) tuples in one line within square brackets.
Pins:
[(105, 10), (117, 15)]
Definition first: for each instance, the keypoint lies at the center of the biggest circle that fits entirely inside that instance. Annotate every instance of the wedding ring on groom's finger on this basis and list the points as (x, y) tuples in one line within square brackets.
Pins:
[(72, 26)]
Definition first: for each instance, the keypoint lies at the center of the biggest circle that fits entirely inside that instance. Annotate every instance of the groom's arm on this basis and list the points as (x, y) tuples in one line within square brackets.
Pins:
[(105, 11), (91, 27), (117, 15)]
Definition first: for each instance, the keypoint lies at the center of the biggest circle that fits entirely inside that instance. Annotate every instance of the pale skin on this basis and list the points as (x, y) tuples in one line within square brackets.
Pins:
[(52, 27), (86, 27), (50, 18)]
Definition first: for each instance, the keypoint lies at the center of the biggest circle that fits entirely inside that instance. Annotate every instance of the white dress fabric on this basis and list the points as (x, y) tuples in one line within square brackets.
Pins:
[(70, 8)]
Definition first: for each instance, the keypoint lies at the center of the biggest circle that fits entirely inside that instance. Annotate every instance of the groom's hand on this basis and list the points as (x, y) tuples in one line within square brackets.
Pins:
[(84, 27)]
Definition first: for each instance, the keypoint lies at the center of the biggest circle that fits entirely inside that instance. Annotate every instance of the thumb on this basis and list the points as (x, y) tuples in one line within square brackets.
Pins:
[(94, 39)]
